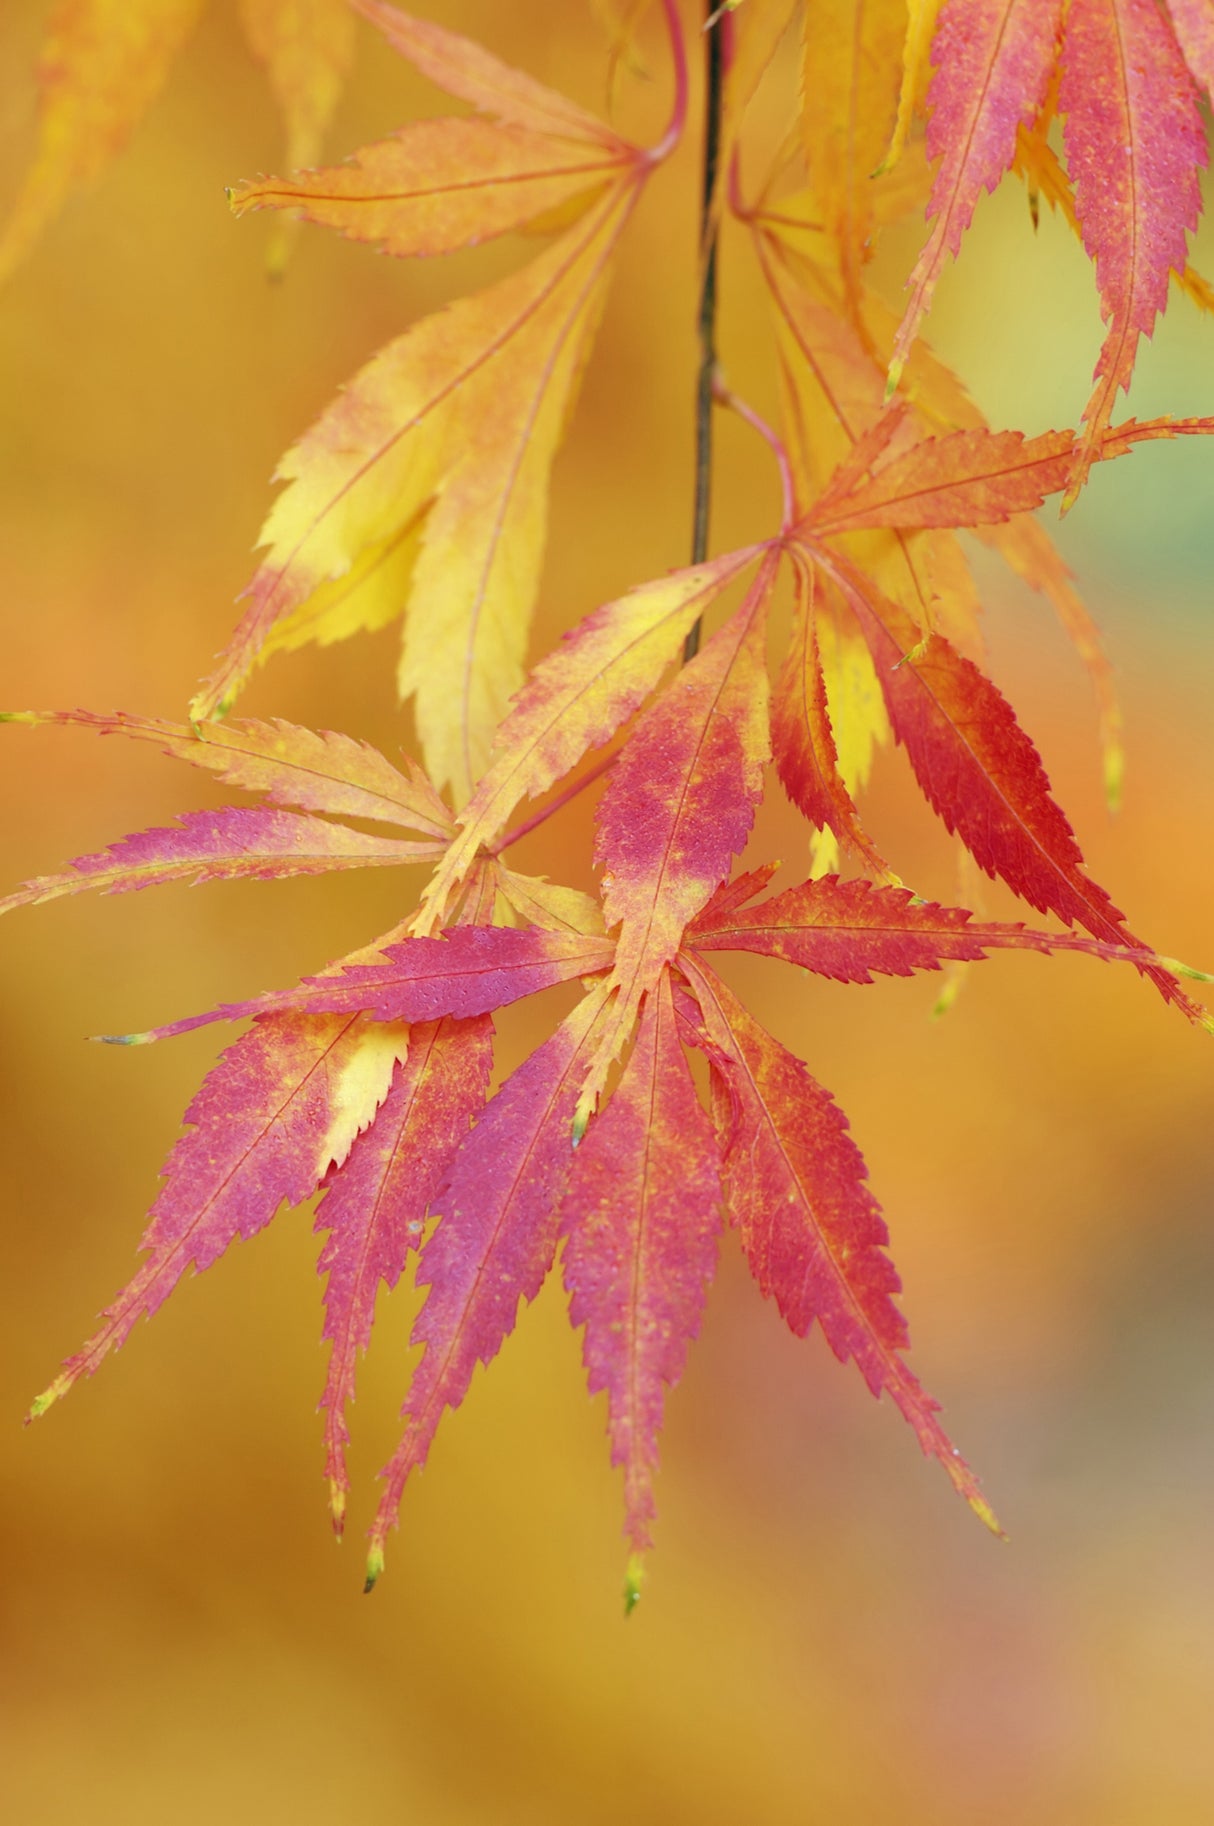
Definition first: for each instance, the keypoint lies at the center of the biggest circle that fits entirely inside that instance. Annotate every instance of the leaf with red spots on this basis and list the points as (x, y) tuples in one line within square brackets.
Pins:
[(316, 771), (993, 61), (983, 776), (641, 1218), (811, 1230), (495, 1242), (849, 930), (376, 1201), (1134, 145), (471, 970), (231, 844), (283, 1105), (679, 807)]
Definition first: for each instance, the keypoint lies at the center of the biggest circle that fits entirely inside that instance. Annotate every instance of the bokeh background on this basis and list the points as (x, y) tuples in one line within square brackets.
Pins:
[(827, 1635)]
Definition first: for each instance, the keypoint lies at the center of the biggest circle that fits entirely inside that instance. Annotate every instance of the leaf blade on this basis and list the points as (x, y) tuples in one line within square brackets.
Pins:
[(233, 843), (101, 67), (641, 1218), (1134, 143), (376, 1202), (494, 1245), (811, 1230), (284, 1103)]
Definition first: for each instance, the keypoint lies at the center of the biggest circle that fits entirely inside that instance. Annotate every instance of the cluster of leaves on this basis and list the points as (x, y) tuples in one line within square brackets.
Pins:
[(422, 491)]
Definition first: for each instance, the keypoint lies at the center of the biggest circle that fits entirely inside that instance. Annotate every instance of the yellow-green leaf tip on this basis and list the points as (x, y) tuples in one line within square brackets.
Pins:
[(375, 1565), (633, 1580), (1178, 969), (337, 1507), (47, 1399), (947, 997), (1114, 777), (18, 716)]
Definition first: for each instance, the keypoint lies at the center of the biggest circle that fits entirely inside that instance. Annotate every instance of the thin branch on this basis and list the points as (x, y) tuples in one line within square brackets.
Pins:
[(707, 316)]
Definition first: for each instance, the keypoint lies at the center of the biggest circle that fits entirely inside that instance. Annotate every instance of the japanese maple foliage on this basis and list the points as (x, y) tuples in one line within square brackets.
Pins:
[(421, 493)]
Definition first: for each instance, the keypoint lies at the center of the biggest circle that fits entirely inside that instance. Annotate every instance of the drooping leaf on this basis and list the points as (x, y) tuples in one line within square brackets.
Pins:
[(1134, 144), (1045, 177), (811, 1230), (495, 1241), (101, 66), (231, 844), (993, 61), (678, 808), (803, 739), (283, 1105), (427, 480), (920, 25), (376, 1201), (847, 930), (465, 68), (641, 1218), (318, 771), (975, 478), (982, 775), (437, 185), (850, 82), (828, 393), (306, 46), (471, 970)]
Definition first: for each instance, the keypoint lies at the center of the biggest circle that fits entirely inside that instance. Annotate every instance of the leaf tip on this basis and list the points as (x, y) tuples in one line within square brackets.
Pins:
[(1114, 777), (892, 378), (634, 1578), (1178, 968), (18, 716), (122, 1039), (337, 1507), (1070, 497), (948, 994), (47, 1399), (375, 1565)]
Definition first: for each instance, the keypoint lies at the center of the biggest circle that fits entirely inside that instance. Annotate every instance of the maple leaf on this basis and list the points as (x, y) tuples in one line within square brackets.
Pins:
[(284, 1104), (1134, 145), (496, 1241), (678, 808), (993, 63), (422, 490), (424, 486), (811, 1231), (641, 1216), (578, 697), (306, 47), (977, 768), (317, 772)]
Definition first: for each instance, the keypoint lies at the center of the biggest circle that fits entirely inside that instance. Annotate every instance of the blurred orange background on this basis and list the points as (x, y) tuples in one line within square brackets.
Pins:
[(826, 1633)]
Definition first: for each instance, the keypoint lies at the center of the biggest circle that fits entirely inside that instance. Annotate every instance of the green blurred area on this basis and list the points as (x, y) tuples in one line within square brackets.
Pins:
[(826, 1635)]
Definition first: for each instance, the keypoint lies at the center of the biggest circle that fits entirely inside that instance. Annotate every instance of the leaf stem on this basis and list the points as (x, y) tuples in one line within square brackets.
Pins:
[(725, 397), (706, 325), (678, 112), (562, 799)]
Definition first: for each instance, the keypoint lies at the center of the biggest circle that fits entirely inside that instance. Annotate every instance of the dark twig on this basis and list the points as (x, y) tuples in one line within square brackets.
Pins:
[(707, 317)]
